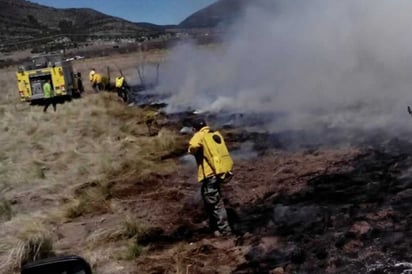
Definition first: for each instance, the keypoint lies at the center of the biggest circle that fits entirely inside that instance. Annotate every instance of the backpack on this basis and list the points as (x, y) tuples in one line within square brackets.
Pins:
[(217, 155)]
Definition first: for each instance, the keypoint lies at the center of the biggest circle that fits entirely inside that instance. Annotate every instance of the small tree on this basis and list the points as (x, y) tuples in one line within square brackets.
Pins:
[(142, 61), (141, 64)]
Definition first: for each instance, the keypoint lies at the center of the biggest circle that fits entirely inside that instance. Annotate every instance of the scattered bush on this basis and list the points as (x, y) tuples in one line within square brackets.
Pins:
[(6, 212), (34, 243)]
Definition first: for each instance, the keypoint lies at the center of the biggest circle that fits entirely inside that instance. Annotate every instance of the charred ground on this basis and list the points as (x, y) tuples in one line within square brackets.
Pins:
[(297, 204), (350, 220), (294, 209)]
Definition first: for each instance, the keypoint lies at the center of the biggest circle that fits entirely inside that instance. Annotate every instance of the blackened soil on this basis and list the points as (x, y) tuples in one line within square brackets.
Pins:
[(356, 219)]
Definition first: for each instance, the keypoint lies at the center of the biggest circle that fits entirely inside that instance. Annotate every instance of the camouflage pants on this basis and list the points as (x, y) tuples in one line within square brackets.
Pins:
[(214, 205)]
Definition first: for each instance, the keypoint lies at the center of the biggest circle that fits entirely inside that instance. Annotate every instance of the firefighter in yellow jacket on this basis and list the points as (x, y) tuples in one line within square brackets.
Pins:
[(210, 188), (122, 88), (96, 80)]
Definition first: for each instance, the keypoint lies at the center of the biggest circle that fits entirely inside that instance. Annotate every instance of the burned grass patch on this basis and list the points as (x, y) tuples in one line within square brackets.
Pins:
[(346, 221)]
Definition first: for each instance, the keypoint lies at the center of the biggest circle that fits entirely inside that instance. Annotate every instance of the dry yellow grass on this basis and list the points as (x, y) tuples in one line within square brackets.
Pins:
[(128, 228), (93, 138), (46, 157), (34, 241)]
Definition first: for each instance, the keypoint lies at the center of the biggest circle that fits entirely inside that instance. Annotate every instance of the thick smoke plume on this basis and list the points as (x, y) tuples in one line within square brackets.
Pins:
[(314, 64)]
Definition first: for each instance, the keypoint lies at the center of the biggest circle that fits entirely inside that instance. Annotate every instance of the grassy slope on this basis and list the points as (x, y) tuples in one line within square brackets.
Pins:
[(49, 161)]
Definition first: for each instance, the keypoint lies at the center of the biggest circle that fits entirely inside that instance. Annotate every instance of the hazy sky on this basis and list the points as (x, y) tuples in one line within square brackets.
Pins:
[(152, 11)]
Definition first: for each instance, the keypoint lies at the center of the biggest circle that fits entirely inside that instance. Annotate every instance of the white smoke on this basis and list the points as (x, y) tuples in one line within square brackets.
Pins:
[(331, 63)]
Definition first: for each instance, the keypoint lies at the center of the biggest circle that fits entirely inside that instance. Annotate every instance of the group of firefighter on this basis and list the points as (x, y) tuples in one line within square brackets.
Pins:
[(96, 80), (214, 163), (121, 86)]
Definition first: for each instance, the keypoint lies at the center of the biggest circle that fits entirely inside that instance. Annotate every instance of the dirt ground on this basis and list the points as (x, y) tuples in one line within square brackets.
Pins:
[(178, 240), (317, 211)]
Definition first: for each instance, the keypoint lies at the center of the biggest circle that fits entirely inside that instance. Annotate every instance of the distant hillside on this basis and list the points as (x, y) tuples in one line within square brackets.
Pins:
[(221, 12), (24, 24), (22, 20)]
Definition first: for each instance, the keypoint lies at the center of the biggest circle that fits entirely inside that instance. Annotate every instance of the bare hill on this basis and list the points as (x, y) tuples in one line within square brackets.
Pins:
[(220, 12)]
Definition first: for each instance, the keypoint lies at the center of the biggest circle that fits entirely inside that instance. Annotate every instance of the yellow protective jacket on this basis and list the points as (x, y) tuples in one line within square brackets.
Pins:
[(119, 81), (196, 148), (47, 90), (91, 74), (96, 78)]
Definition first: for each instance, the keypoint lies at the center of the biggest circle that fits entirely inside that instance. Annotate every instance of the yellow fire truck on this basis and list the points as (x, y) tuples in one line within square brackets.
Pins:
[(33, 74)]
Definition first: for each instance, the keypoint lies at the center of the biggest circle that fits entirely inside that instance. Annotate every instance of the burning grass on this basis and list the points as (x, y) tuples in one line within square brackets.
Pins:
[(64, 164)]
